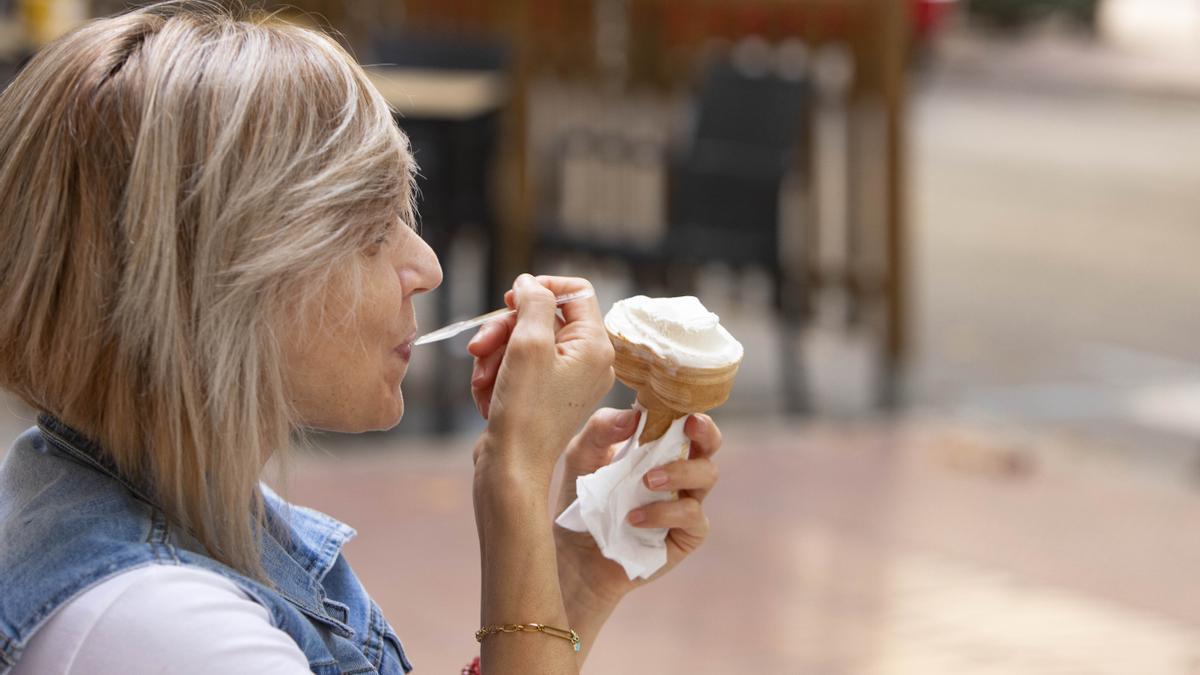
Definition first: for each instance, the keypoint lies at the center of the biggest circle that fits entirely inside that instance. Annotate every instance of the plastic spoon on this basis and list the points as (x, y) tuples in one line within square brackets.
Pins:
[(460, 326)]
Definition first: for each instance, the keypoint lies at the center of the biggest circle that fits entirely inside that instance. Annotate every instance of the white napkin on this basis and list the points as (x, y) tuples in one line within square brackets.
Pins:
[(608, 495)]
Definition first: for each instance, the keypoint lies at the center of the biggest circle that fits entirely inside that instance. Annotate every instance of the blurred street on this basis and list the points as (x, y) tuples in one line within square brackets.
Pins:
[(1055, 274), (1032, 507), (1026, 516)]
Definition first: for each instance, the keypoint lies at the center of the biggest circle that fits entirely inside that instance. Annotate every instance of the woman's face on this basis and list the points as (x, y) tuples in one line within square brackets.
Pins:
[(344, 371)]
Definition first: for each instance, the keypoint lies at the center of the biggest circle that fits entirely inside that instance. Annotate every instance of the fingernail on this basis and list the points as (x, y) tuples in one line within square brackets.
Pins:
[(656, 478), (636, 516)]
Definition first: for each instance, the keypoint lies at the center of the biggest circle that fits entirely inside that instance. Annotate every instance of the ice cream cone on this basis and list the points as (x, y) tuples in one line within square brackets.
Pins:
[(667, 390)]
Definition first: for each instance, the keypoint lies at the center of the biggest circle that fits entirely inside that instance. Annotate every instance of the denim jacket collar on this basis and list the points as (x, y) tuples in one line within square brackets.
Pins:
[(86, 451)]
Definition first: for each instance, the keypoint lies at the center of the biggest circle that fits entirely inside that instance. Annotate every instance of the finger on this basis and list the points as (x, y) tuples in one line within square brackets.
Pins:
[(697, 476), (585, 310), (605, 427), (704, 434), (491, 336), (684, 513), (535, 314), (483, 379), (509, 299), (484, 374), (595, 446)]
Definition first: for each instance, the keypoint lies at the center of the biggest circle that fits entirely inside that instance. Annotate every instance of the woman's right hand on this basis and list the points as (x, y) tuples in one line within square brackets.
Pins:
[(537, 378)]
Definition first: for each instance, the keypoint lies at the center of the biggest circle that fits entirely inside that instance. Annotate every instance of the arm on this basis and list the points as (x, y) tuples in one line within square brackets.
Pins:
[(519, 577), (591, 585), (534, 385), (586, 609)]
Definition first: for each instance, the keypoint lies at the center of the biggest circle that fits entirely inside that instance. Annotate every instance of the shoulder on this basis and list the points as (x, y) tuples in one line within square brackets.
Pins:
[(179, 619)]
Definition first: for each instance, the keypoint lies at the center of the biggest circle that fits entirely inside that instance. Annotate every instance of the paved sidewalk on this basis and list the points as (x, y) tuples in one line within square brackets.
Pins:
[(1061, 63), (922, 547)]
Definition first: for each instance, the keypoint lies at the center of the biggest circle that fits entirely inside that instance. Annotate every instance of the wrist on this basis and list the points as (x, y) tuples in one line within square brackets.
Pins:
[(504, 467), (586, 608), (582, 593), (511, 502)]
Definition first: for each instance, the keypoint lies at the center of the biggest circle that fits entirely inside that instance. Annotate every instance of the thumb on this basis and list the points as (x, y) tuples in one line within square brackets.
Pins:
[(535, 311), (606, 426), (592, 448)]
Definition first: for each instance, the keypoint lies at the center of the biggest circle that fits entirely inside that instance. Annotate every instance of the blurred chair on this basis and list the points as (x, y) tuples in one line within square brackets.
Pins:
[(723, 191), (447, 91)]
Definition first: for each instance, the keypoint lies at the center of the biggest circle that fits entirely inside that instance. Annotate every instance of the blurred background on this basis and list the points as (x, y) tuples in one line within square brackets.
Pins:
[(958, 241)]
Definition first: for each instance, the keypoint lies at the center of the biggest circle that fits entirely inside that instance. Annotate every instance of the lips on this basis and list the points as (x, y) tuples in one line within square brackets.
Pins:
[(404, 350)]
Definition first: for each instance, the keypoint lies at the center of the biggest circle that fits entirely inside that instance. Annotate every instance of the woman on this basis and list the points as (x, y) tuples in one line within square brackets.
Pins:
[(205, 245)]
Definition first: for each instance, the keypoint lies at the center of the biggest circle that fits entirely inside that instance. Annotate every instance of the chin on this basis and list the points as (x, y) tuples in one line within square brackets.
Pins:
[(392, 415), (381, 422), (393, 420), (366, 418), (368, 411)]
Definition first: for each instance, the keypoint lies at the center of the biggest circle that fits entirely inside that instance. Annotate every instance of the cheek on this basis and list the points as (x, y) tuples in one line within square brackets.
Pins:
[(378, 323), (347, 378), (378, 329)]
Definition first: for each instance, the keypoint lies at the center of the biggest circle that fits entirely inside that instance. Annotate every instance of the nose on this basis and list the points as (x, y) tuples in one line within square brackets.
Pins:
[(422, 267)]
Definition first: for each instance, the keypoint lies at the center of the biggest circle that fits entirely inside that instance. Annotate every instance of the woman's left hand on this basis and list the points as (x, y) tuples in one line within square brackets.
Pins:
[(582, 567)]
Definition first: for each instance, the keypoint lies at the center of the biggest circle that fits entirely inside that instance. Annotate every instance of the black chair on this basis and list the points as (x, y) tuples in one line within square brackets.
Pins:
[(454, 154), (725, 189), (723, 203)]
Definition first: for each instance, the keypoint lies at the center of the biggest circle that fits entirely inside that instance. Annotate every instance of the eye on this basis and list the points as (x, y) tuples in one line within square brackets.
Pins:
[(375, 246)]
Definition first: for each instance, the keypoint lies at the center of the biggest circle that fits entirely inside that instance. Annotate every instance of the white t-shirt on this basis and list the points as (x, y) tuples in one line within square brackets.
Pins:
[(162, 619)]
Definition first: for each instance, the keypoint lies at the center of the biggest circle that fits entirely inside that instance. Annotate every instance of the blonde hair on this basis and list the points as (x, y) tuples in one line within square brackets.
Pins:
[(174, 181)]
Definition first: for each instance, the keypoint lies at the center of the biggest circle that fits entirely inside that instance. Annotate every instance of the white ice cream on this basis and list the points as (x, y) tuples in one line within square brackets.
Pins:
[(679, 329)]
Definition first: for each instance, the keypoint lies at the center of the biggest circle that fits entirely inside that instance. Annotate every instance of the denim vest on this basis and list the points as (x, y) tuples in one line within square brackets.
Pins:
[(68, 521)]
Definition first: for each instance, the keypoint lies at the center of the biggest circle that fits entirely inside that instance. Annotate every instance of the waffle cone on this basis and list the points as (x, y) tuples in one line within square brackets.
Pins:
[(666, 389)]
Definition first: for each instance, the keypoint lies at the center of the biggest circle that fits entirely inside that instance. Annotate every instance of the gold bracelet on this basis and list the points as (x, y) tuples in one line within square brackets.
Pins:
[(564, 633)]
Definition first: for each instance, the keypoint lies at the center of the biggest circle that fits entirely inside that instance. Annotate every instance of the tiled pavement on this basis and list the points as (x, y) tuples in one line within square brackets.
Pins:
[(885, 549)]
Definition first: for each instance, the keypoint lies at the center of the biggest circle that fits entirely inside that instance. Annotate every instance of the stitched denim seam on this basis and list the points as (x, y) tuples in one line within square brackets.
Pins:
[(262, 601), (373, 641), (64, 438), (159, 538), (331, 546), (8, 649), (329, 552), (389, 635)]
